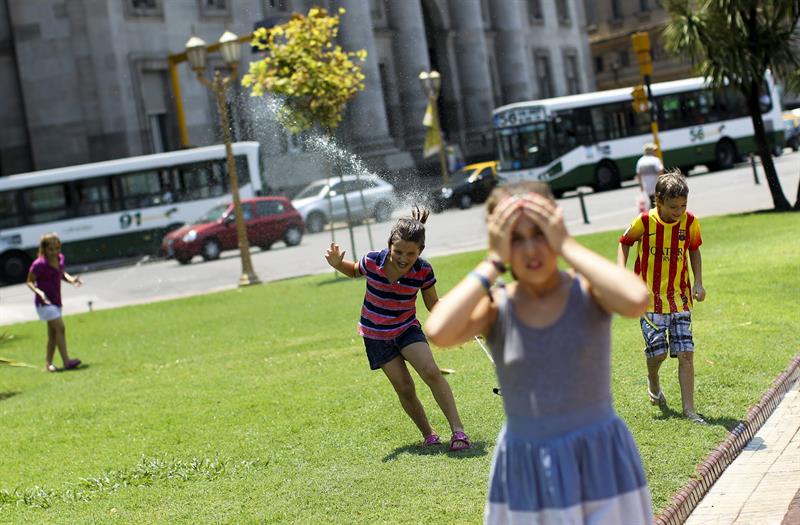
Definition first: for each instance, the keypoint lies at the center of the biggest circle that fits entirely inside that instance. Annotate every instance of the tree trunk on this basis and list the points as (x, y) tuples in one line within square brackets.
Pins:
[(778, 198)]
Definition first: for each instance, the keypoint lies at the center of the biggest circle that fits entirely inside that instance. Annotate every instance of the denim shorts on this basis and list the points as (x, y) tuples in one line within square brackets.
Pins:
[(667, 332), (381, 351), (48, 312)]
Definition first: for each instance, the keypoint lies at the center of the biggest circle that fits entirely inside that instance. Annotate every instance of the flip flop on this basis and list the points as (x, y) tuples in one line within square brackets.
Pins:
[(72, 363), (431, 440), (459, 441), (50, 368), (657, 399)]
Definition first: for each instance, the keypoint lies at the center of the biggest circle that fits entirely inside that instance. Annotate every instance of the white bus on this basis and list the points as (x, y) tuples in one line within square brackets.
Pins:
[(116, 208), (595, 139)]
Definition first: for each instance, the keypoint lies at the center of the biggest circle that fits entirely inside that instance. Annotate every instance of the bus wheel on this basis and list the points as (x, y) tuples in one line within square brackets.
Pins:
[(724, 155), (14, 266), (606, 177), (211, 250), (315, 222)]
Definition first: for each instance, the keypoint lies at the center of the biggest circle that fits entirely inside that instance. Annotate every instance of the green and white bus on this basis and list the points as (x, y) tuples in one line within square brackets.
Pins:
[(116, 208), (595, 139)]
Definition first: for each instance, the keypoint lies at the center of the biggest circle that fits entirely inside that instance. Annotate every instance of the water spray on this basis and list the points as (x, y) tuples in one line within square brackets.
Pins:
[(495, 390)]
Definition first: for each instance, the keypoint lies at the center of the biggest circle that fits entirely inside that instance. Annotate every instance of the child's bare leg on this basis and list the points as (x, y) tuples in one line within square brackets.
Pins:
[(686, 380), (653, 364), (403, 384), (51, 343), (60, 338), (421, 358)]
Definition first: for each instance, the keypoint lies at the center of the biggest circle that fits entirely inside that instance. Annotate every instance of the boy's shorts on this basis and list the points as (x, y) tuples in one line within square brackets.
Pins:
[(663, 332), (381, 351), (48, 312)]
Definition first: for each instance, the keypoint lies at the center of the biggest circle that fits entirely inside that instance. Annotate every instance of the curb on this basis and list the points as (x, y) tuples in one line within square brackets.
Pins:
[(708, 472)]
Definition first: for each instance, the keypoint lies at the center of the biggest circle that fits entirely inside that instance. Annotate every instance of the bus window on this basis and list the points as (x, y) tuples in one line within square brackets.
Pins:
[(140, 190), (9, 211), (525, 146), (564, 134), (94, 196), (669, 115), (583, 126), (46, 203), (731, 103), (202, 180)]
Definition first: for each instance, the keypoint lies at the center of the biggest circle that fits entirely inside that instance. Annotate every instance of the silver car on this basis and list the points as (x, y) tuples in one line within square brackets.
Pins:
[(367, 196)]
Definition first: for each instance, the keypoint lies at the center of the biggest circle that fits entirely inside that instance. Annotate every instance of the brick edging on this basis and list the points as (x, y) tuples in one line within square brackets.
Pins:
[(708, 472)]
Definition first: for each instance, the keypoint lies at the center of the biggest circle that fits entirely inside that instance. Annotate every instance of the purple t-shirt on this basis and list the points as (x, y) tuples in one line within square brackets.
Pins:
[(48, 279)]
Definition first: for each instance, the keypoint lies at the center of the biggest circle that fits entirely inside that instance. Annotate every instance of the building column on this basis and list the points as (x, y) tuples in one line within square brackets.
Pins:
[(367, 120), (473, 70), (410, 50), (512, 58)]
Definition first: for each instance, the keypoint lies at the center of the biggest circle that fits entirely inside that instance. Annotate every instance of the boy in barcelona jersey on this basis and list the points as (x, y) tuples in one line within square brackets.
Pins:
[(669, 242)]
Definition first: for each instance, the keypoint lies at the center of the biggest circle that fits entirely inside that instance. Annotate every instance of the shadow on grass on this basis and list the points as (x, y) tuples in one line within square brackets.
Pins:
[(334, 279), (670, 413), (478, 449), (6, 395)]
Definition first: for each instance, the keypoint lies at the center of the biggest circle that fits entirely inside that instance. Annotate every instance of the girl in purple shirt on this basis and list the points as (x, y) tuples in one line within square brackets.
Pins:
[(44, 280)]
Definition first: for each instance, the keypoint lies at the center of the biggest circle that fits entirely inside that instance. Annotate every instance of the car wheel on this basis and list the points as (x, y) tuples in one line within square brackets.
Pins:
[(315, 222), (606, 177), (183, 260), (465, 201), (265, 246), (383, 211), (211, 250), (14, 266), (795, 144), (293, 236)]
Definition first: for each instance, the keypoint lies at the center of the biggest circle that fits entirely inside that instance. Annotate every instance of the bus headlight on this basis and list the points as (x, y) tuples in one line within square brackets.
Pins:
[(447, 192), (190, 237)]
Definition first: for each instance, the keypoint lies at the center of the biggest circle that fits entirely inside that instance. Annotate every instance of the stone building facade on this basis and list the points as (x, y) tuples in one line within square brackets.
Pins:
[(87, 80), (609, 25)]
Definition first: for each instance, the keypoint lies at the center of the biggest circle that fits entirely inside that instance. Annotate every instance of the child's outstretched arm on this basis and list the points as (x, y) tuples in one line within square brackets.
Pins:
[(697, 271), (335, 257), (74, 280), (615, 288)]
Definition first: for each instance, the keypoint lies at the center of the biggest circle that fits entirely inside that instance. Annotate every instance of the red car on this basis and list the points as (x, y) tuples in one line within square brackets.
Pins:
[(267, 219)]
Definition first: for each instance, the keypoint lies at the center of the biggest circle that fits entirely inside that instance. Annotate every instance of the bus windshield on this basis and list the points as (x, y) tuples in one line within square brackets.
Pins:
[(524, 146)]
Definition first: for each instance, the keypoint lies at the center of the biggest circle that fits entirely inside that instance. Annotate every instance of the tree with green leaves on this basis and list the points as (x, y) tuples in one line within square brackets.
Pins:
[(312, 74), (735, 43), (303, 64)]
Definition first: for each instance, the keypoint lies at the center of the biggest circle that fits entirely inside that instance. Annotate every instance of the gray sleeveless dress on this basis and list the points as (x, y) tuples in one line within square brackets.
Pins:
[(563, 455)]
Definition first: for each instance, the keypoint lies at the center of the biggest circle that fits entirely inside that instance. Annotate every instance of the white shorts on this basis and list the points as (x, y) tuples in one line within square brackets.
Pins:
[(48, 312)]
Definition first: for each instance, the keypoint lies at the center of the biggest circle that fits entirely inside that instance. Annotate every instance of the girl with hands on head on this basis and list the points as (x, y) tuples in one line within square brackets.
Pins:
[(563, 455)]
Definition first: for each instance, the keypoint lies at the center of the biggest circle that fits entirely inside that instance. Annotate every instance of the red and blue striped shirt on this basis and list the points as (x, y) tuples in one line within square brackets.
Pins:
[(390, 307)]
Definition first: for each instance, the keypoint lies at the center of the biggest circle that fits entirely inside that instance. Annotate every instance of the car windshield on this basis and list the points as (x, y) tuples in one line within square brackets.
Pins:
[(461, 176), (213, 214), (312, 190)]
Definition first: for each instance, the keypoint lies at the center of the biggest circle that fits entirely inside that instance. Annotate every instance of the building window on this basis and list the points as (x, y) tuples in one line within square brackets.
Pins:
[(377, 13), (143, 8), (598, 64), (544, 77), (485, 15), (280, 6), (591, 17), (562, 11), (535, 11), (644, 6), (624, 58), (215, 7), (616, 11), (571, 72)]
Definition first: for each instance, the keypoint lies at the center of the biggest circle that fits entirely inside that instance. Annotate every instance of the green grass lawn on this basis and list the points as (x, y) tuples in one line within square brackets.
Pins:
[(258, 406)]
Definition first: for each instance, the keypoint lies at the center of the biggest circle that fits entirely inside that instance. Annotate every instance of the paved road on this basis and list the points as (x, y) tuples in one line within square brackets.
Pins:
[(718, 193)]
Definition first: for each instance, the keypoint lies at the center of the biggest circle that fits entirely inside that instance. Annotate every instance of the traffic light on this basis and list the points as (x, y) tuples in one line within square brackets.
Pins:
[(641, 45), (640, 103)]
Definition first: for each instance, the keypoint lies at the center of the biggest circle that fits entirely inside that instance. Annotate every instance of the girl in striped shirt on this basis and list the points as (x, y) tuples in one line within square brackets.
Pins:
[(392, 334)]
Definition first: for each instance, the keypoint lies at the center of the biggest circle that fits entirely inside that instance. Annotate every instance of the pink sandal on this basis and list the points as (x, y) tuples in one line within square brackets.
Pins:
[(459, 441), (431, 440)]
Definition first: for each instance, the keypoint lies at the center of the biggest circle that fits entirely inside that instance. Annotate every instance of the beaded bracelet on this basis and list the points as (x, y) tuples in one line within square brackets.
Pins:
[(487, 286)]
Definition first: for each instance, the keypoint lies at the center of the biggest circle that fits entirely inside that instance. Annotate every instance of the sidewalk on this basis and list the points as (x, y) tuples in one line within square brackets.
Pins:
[(762, 485)]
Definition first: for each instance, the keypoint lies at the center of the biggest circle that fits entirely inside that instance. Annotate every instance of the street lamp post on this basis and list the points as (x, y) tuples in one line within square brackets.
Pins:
[(431, 85), (230, 48)]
